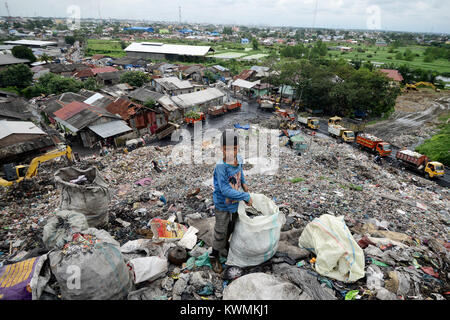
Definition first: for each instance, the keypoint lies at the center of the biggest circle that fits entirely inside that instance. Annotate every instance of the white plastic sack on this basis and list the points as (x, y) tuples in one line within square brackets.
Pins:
[(261, 286), (60, 228), (148, 268), (338, 255), (98, 274), (255, 240)]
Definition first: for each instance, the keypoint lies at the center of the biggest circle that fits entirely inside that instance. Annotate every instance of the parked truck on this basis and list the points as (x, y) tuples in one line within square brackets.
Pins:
[(356, 126), (314, 111), (374, 144), (266, 105), (234, 105), (286, 114), (421, 163), (338, 131), (310, 122), (217, 110)]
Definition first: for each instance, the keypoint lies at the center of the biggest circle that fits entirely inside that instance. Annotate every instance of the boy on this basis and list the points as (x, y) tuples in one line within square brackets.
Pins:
[(228, 178)]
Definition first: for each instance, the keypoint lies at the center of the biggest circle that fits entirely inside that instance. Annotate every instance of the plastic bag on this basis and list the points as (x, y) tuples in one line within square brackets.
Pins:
[(255, 240), (189, 238), (338, 255), (92, 199), (167, 230), (60, 228), (91, 267), (261, 286), (21, 280), (147, 268)]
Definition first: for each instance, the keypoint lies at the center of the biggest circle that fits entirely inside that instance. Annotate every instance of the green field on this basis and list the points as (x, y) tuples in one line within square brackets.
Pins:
[(437, 148), (381, 54), (372, 53), (107, 47)]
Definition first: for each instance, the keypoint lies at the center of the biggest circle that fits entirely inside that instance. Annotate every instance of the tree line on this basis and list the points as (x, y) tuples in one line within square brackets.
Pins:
[(336, 87)]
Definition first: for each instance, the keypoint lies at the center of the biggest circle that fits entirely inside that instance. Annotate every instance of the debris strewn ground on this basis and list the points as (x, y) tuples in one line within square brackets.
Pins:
[(399, 219)]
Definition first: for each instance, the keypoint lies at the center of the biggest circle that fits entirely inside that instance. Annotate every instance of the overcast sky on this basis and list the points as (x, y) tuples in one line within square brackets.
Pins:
[(401, 15)]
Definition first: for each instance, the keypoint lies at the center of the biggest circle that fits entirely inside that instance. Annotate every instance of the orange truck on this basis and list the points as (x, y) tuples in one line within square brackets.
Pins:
[(286, 114), (230, 106), (374, 144), (421, 163)]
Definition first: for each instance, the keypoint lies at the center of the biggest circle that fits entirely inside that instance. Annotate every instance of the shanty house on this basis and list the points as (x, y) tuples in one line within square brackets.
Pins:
[(137, 115), (392, 74), (172, 86), (89, 121), (19, 139), (163, 103), (201, 99)]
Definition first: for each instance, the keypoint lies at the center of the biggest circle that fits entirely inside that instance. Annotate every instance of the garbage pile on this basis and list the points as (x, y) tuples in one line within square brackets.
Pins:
[(388, 228)]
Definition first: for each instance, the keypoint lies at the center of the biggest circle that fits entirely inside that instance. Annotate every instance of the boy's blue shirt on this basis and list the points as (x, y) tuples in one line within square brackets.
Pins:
[(227, 182)]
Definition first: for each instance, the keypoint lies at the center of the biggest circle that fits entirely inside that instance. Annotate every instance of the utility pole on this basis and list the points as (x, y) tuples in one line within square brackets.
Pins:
[(179, 15), (9, 14)]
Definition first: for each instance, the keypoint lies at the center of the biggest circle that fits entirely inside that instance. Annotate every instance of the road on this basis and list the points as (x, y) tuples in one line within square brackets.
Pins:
[(250, 111)]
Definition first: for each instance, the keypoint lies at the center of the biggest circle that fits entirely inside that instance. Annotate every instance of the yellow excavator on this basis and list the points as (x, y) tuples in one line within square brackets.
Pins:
[(16, 174), (422, 83)]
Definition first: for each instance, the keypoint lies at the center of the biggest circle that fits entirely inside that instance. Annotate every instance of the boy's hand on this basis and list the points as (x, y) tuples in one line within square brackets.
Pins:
[(249, 203), (244, 187)]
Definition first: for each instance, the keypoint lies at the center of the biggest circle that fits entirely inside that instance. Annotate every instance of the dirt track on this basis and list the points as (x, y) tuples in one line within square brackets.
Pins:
[(415, 118)]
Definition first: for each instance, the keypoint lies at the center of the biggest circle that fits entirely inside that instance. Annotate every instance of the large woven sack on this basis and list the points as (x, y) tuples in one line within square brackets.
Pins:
[(95, 270), (60, 228), (338, 254), (92, 200), (255, 240)]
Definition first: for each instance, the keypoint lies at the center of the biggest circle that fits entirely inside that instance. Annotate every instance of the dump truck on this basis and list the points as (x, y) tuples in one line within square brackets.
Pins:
[(356, 126), (338, 131), (234, 105), (266, 105), (286, 114), (16, 174), (314, 111), (217, 110), (310, 122), (374, 144), (421, 163)]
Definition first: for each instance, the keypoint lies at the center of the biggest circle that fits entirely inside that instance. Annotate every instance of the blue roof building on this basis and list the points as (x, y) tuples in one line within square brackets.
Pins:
[(244, 41), (186, 31), (147, 29)]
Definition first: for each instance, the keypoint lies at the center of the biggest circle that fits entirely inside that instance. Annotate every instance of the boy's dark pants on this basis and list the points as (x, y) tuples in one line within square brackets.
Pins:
[(223, 228)]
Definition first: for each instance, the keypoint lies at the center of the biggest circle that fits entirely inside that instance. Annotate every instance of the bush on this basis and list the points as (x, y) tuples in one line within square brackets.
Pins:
[(18, 75), (428, 59), (193, 114), (51, 83), (436, 148), (134, 78), (70, 40), (23, 52)]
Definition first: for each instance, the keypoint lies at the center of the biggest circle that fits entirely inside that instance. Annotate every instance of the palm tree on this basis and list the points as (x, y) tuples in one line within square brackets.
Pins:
[(45, 57)]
